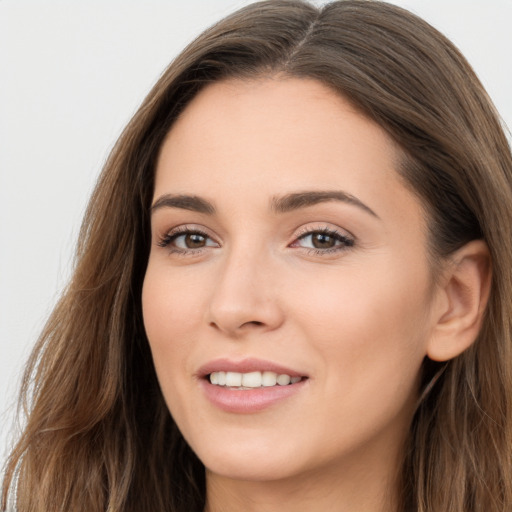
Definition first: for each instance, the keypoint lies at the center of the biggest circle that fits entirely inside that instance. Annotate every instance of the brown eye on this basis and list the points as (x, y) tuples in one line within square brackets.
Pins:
[(187, 241), (322, 241), (194, 240)]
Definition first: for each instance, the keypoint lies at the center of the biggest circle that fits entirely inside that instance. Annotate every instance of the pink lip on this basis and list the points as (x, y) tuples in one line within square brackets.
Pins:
[(250, 400)]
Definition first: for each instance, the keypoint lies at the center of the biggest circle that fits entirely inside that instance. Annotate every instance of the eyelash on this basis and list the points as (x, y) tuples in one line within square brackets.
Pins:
[(166, 240), (345, 242)]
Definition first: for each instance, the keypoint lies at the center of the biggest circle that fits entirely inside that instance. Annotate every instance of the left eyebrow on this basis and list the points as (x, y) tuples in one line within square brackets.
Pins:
[(297, 200)]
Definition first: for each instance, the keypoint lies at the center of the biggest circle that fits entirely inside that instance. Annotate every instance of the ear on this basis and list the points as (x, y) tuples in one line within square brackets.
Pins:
[(464, 291)]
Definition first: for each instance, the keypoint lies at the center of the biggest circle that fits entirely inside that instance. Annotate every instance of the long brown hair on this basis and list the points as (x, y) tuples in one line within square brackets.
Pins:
[(98, 435)]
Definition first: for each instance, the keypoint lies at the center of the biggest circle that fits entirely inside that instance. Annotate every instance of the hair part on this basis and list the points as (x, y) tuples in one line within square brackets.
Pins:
[(99, 435)]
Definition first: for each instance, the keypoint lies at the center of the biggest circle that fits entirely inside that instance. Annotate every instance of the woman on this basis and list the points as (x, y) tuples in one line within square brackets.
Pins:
[(292, 287)]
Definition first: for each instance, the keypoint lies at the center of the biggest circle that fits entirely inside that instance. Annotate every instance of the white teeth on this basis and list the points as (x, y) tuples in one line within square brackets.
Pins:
[(283, 380), (251, 379), (269, 379), (233, 379)]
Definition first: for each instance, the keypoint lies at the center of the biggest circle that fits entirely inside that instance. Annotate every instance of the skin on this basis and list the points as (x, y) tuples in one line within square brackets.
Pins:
[(356, 320)]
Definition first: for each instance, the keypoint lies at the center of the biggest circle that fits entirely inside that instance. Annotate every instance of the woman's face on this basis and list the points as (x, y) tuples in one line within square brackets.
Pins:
[(288, 265)]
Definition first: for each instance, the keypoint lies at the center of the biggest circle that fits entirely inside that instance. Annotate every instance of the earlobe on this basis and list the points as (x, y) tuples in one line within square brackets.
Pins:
[(465, 289)]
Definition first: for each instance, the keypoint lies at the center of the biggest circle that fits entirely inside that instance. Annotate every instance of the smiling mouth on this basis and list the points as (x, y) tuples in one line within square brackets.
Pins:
[(251, 380)]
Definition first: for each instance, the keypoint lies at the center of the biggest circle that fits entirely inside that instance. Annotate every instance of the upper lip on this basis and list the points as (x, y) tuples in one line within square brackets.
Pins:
[(245, 366)]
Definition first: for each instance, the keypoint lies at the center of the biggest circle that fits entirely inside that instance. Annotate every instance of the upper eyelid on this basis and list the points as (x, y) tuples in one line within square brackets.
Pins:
[(190, 228), (324, 227)]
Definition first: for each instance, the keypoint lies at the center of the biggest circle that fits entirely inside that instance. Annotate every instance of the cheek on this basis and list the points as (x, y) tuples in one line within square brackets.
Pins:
[(168, 310), (168, 307), (368, 328), (169, 300), (369, 303), (370, 344)]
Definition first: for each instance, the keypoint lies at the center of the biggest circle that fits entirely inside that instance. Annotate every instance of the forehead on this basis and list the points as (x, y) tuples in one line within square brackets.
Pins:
[(248, 138)]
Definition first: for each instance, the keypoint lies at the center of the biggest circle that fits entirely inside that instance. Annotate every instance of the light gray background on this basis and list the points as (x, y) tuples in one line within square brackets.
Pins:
[(71, 76)]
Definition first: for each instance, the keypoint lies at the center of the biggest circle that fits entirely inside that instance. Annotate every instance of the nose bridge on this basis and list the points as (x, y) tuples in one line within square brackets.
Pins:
[(244, 296)]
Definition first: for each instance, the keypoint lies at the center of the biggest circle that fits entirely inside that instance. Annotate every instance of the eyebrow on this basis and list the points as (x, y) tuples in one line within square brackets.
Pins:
[(298, 200), (185, 202), (284, 204)]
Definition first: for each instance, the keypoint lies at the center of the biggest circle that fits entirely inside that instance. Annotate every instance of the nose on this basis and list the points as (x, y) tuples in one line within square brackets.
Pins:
[(246, 296)]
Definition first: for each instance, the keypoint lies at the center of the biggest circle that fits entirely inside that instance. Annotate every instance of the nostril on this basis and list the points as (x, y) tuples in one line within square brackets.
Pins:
[(254, 322)]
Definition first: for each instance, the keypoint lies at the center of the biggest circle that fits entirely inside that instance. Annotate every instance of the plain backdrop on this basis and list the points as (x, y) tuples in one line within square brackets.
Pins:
[(71, 76)]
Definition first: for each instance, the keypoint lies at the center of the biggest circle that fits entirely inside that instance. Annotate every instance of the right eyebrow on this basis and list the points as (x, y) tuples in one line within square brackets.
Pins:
[(185, 202)]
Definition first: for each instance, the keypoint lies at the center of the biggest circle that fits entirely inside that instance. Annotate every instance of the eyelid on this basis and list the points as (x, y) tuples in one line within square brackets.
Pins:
[(165, 239), (322, 227), (345, 240)]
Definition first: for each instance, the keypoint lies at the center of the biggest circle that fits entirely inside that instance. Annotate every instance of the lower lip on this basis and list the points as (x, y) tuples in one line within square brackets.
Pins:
[(246, 401)]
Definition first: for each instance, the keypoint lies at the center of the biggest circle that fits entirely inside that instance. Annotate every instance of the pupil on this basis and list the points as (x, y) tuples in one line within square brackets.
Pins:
[(194, 241), (323, 241)]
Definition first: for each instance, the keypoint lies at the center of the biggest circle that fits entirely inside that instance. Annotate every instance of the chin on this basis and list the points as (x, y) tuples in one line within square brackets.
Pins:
[(251, 470), (252, 461)]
